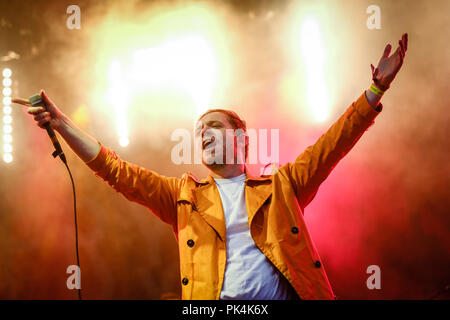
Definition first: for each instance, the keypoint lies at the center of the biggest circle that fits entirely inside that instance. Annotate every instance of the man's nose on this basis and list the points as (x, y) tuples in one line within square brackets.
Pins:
[(204, 130)]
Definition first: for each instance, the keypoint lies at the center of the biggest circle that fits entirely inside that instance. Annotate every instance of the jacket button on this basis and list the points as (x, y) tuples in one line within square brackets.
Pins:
[(294, 230), (190, 243), (317, 264), (185, 281)]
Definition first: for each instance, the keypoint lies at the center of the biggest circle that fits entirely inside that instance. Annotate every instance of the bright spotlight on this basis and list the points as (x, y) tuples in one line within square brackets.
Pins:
[(174, 62), (7, 72), (7, 138), (7, 128), (7, 119), (7, 157), (185, 63), (7, 101), (123, 141), (7, 92), (313, 53), (7, 148), (7, 82), (118, 95)]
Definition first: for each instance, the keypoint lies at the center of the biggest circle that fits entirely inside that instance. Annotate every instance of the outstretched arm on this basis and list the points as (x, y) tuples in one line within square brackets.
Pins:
[(387, 69), (146, 187), (314, 165), (85, 146)]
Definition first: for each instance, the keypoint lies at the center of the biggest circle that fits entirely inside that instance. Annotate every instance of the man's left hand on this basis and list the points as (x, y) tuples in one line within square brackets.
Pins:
[(388, 67)]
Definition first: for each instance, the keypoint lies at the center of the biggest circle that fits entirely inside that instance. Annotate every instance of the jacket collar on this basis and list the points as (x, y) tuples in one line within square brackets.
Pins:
[(249, 178), (206, 197)]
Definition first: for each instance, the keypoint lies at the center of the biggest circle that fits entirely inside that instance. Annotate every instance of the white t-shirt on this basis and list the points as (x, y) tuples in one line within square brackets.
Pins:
[(249, 275)]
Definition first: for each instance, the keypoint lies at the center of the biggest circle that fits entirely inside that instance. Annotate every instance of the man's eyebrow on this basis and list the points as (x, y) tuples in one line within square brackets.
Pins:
[(209, 123)]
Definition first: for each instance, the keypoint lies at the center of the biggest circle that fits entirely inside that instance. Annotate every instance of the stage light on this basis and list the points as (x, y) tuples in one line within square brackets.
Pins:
[(123, 141), (7, 72), (7, 148), (7, 128), (7, 138), (193, 72), (7, 101), (7, 119), (163, 69), (7, 82), (173, 62), (119, 100), (313, 54), (7, 157)]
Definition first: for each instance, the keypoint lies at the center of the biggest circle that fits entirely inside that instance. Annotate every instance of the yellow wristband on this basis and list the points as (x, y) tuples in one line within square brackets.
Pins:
[(376, 90)]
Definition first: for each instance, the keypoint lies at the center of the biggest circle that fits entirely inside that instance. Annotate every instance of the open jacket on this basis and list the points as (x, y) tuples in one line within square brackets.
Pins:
[(274, 204)]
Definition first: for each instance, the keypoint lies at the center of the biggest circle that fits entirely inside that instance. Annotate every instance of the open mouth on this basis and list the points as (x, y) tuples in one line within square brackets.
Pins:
[(208, 143)]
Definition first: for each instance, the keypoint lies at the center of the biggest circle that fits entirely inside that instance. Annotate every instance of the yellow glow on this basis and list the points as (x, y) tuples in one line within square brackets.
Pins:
[(163, 64), (118, 98), (184, 64), (7, 157), (313, 54), (81, 116), (123, 141), (304, 88)]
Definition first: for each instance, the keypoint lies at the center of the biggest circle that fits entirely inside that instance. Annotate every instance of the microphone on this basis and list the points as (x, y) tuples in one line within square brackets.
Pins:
[(36, 100)]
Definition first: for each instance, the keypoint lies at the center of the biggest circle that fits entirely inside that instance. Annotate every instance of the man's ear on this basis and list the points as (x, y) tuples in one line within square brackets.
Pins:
[(241, 134), (247, 139), (242, 139)]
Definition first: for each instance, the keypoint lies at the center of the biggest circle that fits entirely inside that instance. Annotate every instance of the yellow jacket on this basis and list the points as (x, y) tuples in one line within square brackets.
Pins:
[(274, 203)]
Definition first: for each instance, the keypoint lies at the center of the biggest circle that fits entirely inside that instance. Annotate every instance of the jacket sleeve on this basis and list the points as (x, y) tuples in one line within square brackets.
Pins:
[(137, 184), (314, 165)]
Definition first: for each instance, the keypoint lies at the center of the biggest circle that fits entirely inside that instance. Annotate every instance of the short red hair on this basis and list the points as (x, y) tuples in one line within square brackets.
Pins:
[(234, 119)]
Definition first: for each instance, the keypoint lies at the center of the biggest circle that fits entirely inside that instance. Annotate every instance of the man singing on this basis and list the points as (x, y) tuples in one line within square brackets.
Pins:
[(239, 236)]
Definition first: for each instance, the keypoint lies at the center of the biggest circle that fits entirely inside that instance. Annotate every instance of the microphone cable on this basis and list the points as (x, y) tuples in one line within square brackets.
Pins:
[(36, 100), (63, 159), (76, 226)]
